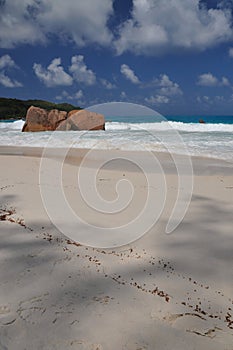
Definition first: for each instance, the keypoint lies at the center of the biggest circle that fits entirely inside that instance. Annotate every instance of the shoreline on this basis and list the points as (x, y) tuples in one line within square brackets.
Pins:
[(200, 164)]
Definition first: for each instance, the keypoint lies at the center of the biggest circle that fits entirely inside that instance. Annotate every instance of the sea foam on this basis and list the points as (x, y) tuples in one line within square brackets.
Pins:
[(210, 140), (160, 126), (168, 125)]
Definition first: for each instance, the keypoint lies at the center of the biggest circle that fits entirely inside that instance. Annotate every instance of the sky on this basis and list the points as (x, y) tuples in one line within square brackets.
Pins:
[(174, 56)]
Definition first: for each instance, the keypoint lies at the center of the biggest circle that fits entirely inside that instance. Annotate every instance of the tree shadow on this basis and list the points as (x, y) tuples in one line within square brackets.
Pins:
[(61, 295)]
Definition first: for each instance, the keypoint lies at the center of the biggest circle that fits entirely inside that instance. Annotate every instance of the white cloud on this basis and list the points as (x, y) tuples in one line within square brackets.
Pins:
[(33, 21), (107, 84), (225, 82), (80, 71), (155, 26), (167, 86), (8, 82), (231, 52), (220, 98), (204, 99), (157, 99), (16, 24), (78, 95), (53, 75), (207, 100), (158, 26), (166, 89), (129, 74), (6, 63), (208, 79), (64, 96), (123, 94)]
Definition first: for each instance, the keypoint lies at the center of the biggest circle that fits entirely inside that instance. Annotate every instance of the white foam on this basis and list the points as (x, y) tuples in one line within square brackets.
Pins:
[(159, 126), (168, 125), (16, 125), (216, 142)]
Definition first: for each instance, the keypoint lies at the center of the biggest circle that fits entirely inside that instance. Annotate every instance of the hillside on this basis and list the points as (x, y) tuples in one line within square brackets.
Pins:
[(16, 109)]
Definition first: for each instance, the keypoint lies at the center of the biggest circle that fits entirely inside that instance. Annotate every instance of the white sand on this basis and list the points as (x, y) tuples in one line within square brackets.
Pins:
[(160, 292)]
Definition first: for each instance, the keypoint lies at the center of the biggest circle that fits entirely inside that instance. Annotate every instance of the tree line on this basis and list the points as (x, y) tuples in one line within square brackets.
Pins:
[(11, 108)]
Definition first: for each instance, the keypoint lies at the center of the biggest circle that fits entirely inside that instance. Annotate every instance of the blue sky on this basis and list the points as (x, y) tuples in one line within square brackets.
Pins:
[(175, 56)]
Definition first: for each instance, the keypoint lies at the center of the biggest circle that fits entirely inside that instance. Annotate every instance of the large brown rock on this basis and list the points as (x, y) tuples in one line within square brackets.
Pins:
[(39, 119), (83, 120)]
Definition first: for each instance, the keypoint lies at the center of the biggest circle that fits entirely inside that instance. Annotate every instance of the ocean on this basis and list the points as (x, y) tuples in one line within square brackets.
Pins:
[(181, 135)]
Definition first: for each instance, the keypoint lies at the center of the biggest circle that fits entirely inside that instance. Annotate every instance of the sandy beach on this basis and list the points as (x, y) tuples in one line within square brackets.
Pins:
[(162, 291)]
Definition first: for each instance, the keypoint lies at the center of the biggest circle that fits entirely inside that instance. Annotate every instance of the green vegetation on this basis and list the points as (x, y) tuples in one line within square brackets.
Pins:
[(11, 108)]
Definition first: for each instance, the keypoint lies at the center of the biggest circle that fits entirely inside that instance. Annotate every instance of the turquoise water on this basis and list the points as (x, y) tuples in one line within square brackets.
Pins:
[(152, 119), (184, 119), (208, 119)]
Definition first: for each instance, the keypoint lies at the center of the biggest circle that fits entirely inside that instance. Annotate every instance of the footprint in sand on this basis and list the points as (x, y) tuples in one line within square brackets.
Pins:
[(85, 345), (32, 310), (193, 323), (4, 309), (135, 346), (7, 317)]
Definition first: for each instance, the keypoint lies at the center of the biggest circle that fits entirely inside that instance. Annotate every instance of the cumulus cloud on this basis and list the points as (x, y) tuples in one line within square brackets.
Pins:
[(67, 96), (165, 90), (153, 27), (80, 71), (204, 99), (16, 25), (53, 75), (157, 99), (167, 86), (225, 82), (129, 74), (158, 26), (107, 84), (32, 21), (78, 95), (208, 79), (62, 96), (8, 82), (7, 63)]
